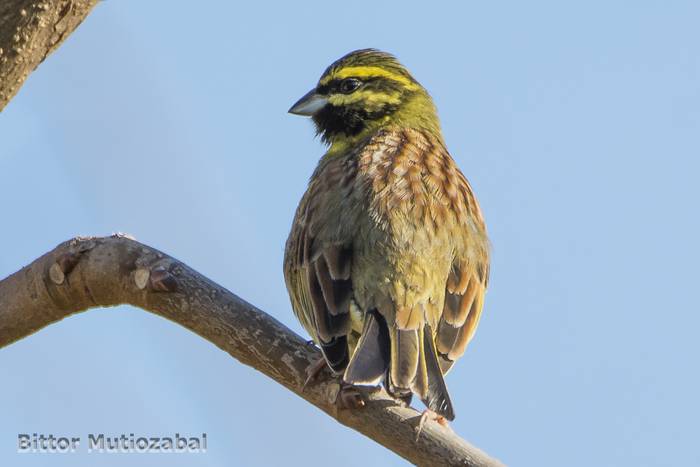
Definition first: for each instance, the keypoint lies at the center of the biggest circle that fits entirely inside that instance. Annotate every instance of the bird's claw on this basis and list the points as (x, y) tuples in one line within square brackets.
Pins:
[(430, 415), (349, 397), (312, 371)]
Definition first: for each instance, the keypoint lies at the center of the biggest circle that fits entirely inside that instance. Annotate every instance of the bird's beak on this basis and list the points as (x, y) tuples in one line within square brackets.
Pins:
[(309, 104)]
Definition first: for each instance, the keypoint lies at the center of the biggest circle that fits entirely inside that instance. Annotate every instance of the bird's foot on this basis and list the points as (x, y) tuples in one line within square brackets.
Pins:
[(313, 371), (430, 415), (349, 397)]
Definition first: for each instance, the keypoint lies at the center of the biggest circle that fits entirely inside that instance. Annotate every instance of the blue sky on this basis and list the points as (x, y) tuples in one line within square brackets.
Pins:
[(577, 125)]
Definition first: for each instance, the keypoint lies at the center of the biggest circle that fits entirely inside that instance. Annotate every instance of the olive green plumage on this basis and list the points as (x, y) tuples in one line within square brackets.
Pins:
[(387, 262)]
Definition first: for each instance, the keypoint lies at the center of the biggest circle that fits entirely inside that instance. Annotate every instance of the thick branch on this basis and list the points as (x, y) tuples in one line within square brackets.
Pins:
[(97, 272), (29, 31)]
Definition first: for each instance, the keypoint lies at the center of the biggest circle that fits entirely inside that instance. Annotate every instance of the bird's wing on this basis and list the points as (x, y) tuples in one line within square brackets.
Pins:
[(468, 277), (318, 262), (464, 300)]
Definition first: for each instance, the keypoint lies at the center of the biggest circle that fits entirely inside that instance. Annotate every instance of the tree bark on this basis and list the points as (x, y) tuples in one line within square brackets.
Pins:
[(85, 273), (29, 31)]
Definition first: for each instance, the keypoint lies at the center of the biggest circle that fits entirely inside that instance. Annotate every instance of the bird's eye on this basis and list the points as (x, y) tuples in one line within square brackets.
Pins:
[(349, 85)]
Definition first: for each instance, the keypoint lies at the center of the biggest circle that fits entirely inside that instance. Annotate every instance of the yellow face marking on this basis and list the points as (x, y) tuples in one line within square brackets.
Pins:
[(369, 72)]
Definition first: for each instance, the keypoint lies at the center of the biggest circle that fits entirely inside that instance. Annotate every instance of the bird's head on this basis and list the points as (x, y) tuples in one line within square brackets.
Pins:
[(363, 92)]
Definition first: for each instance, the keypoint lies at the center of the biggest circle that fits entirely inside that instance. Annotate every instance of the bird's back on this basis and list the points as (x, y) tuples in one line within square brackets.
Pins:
[(392, 230)]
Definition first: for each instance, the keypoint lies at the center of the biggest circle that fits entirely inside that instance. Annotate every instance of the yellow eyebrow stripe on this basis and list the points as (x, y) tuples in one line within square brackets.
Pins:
[(369, 97), (369, 72)]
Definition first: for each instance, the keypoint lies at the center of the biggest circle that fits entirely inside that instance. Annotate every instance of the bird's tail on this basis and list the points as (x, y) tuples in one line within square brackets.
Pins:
[(370, 361), (414, 367), (406, 360)]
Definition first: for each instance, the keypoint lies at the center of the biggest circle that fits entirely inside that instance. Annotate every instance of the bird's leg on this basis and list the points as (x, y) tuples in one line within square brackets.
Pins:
[(349, 397), (312, 371), (404, 399), (430, 415)]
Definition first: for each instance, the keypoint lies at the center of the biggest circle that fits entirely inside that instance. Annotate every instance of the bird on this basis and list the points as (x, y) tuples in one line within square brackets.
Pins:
[(387, 261)]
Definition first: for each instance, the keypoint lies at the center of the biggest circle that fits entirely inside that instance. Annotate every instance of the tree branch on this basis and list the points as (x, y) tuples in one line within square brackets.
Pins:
[(85, 273), (29, 31)]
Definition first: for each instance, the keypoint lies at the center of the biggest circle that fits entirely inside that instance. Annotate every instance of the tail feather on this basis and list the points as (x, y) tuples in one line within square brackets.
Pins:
[(436, 398), (415, 368), (419, 386), (406, 360), (370, 361), (405, 353)]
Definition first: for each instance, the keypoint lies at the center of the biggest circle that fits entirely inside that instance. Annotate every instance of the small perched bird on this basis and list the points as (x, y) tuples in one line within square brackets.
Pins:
[(387, 261)]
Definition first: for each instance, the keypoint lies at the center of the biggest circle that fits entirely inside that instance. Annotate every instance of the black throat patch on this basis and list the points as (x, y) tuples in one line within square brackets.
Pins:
[(332, 121)]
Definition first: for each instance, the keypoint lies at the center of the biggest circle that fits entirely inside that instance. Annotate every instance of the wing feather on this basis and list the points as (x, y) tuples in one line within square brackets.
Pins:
[(462, 311), (318, 264)]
